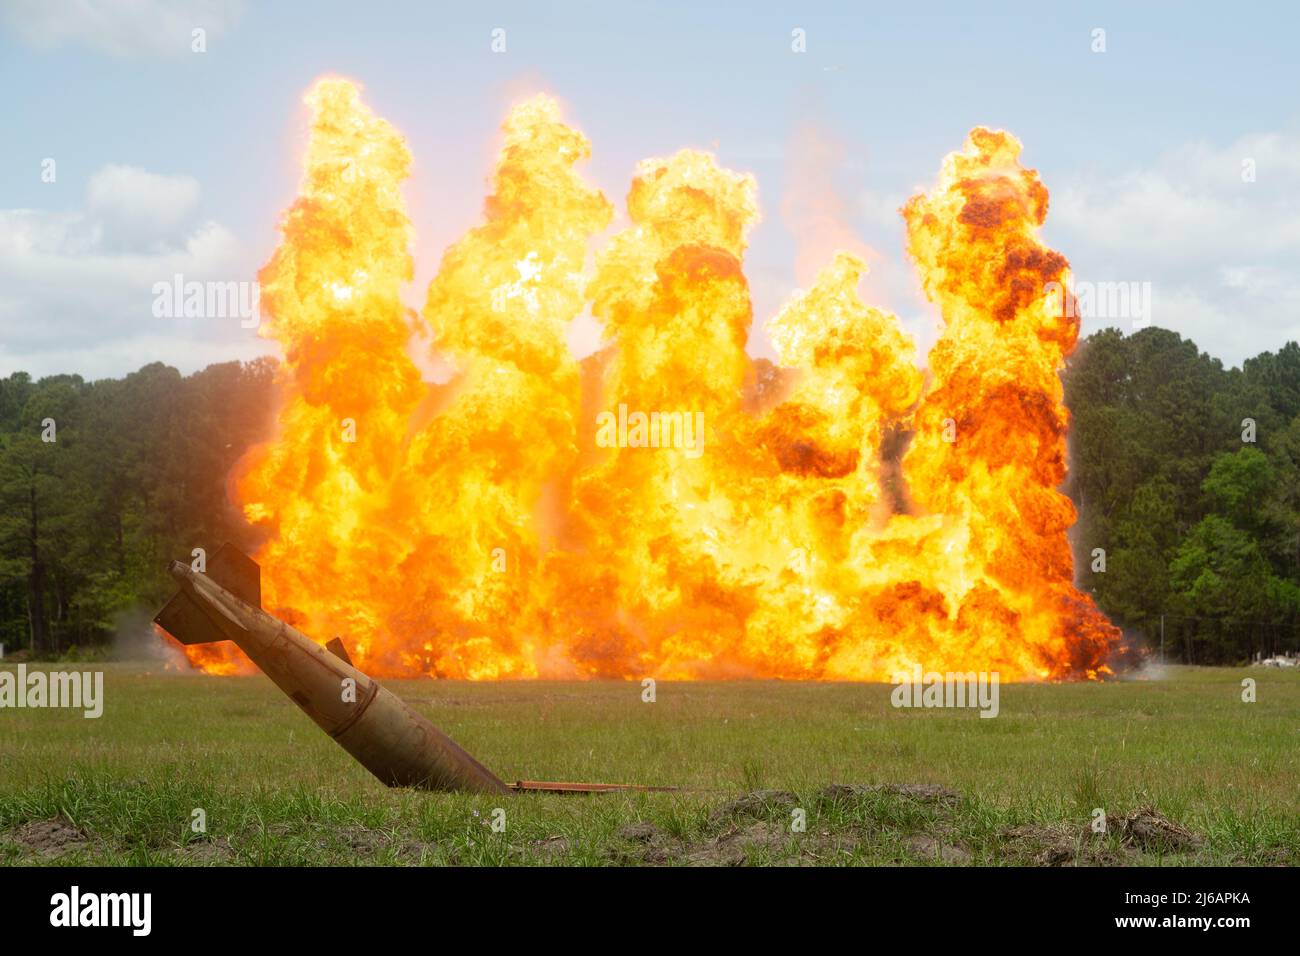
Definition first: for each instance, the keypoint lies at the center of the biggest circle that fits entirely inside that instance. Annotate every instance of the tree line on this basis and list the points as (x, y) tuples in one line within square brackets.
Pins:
[(101, 483), (1186, 476)]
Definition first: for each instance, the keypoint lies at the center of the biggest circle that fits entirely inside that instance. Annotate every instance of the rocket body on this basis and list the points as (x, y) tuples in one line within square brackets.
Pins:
[(384, 734)]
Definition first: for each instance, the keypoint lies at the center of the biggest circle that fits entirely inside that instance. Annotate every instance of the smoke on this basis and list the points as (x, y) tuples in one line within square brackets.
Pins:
[(814, 209), (136, 639), (1139, 659), (1150, 668)]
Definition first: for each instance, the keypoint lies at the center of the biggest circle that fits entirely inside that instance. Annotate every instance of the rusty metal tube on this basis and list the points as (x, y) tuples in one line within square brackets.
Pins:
[(382, 732)]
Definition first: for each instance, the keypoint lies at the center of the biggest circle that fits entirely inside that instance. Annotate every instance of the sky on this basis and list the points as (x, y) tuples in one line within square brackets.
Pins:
[(1170, 144)]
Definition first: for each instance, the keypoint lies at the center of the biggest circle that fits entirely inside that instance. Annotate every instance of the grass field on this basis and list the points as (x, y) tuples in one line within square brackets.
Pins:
[(1018, 789)]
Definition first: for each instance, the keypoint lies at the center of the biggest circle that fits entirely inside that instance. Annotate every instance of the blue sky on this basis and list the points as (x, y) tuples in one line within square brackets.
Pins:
[(169, 159)]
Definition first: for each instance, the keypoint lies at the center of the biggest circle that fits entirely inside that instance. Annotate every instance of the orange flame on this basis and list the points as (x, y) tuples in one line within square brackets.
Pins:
[(669, 506)]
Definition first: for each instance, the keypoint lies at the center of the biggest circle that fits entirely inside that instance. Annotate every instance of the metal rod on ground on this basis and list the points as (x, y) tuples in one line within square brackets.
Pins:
[(553, 786)]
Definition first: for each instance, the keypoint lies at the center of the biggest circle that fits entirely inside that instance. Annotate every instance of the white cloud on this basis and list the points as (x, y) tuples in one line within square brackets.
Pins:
[(121, 28), (77, 289), (1222, 253), (140, 210)]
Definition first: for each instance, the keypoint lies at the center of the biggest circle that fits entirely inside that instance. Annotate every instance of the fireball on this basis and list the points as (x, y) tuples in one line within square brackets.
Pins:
[(745, 520)]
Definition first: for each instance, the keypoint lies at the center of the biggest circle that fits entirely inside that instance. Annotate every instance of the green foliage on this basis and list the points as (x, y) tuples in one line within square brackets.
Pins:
[(1202, 527), (1237, 484), (1222, 580), (136, 473)]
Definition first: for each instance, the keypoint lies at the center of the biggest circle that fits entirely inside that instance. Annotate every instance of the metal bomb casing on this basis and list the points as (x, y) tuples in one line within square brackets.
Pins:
[(384, 734)]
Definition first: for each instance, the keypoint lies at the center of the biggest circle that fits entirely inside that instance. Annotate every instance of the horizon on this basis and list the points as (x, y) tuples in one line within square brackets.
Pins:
[(440, 379)]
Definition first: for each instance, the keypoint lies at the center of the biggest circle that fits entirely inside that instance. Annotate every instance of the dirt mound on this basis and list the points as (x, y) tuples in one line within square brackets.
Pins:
[(1142, 830), (1147, 829), (205, 851), (759, 803), (638, 832), (756, 842), (1056, 845), (49, 838), (758, 827)]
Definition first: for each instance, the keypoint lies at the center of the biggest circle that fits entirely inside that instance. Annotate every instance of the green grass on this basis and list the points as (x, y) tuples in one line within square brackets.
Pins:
[(276, 790)]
